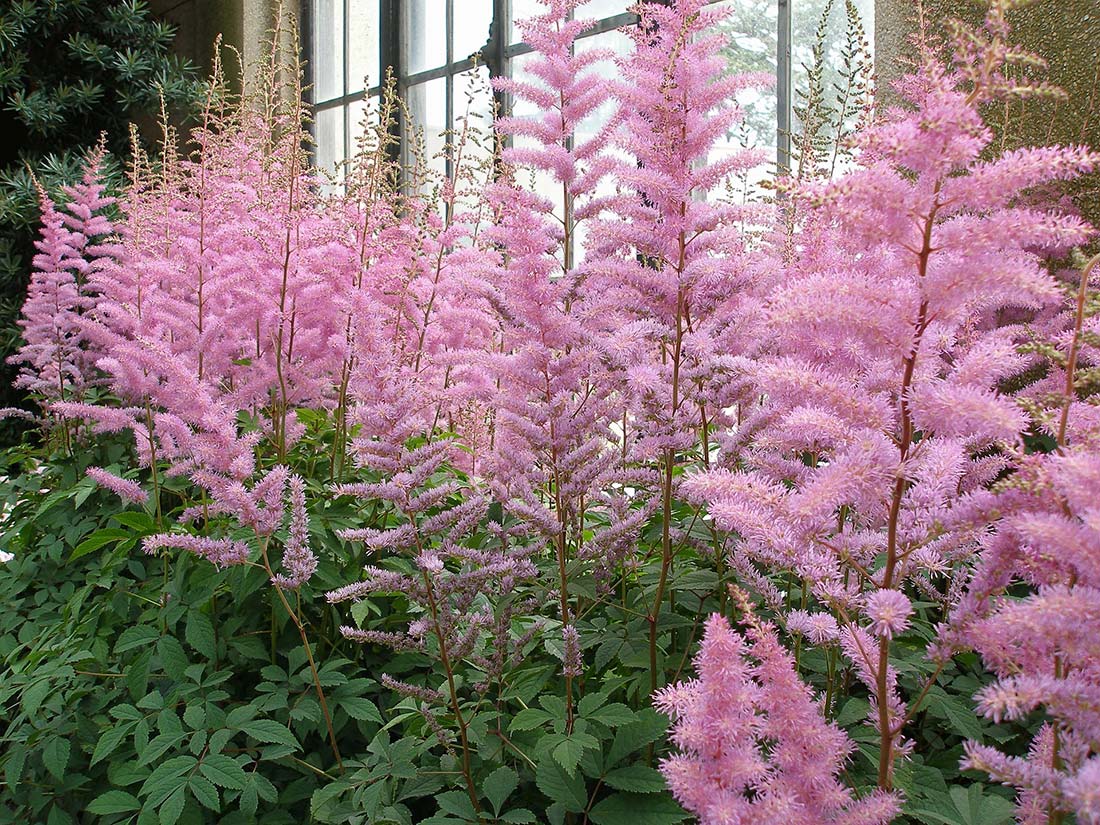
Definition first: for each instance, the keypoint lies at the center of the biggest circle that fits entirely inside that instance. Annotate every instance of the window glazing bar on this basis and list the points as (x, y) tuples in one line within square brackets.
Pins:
[(783, 88)]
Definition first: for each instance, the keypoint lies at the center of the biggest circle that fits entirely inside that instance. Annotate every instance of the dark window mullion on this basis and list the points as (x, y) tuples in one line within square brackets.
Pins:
[(783, 87), (449, 104), (346, 68), (458, 67), (392, 59)]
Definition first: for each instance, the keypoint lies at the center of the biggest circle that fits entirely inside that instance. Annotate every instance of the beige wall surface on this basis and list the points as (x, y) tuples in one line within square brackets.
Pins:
[(1064, 32), (199, 22), (243, 24)]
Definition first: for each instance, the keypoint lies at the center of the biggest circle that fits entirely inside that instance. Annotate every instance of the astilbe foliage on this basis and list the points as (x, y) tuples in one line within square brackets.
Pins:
[(753, 746), (457, 582), (865, 469)]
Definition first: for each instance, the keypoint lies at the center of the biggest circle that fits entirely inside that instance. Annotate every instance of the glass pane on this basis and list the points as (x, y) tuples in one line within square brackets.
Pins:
[(428, 109), (472, 20), (751, 28), (363, 45), (425, 35), (329, 126), (604, 8), (328, 49), (846, 56), (523, 10)]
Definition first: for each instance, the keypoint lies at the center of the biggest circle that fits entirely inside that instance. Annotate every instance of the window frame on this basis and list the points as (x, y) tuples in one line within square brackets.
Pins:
[(496, 55)]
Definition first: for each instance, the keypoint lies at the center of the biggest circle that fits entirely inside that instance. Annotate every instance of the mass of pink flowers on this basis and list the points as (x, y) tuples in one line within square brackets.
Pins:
[(845, 387)]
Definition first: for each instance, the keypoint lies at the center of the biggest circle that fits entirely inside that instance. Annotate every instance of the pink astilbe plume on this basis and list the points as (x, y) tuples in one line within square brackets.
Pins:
[(867, 464), (222, 552), (56, 358), (673, 268), (752, 744), (1049, 539), (552, 454), (129, 491), (299, 562)]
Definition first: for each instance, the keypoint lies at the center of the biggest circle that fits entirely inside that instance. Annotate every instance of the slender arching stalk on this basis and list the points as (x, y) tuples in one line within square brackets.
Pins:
[(297, 620)]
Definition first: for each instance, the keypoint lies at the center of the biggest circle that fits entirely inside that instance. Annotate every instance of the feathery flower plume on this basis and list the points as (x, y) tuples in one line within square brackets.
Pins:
[(129, 491), (299, 562), (865, 465), (752, 745)]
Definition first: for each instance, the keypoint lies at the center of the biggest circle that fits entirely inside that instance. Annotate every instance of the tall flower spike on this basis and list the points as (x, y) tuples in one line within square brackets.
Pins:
[(299, 562), (127, 490), (56, 355), (752, 745), (864, 463)]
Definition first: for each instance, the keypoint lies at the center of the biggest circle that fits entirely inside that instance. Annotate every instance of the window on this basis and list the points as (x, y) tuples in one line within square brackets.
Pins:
[(344, 44), (443, 52)]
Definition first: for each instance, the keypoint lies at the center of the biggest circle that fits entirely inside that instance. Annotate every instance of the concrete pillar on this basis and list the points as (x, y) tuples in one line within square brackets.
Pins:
[(243, 24)]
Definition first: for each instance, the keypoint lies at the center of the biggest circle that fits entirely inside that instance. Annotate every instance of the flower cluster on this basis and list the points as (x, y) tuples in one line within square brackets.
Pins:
[(525, 411), (752, 744)]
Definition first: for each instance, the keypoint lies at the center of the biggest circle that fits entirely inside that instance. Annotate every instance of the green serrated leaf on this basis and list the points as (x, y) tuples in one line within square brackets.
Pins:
[(172, 657), (854, 710), (637, 809), (199, 634), (172, 807), (590, 702), (141, 522), (249, 800), (648, 726), (109, 742), (34, 696), (166, 778), (613, 715), (205, 792), (96, 540), (959, 714), (457, 803), (223, 771), (16, 761), (361, 709), (635, 778), (113, 802), (195, 717), (137, 635), (270, 731), (499, 785), (518, 816), (563, 789), (529, 719), (55, 756), (325, 795), (570, 749)]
